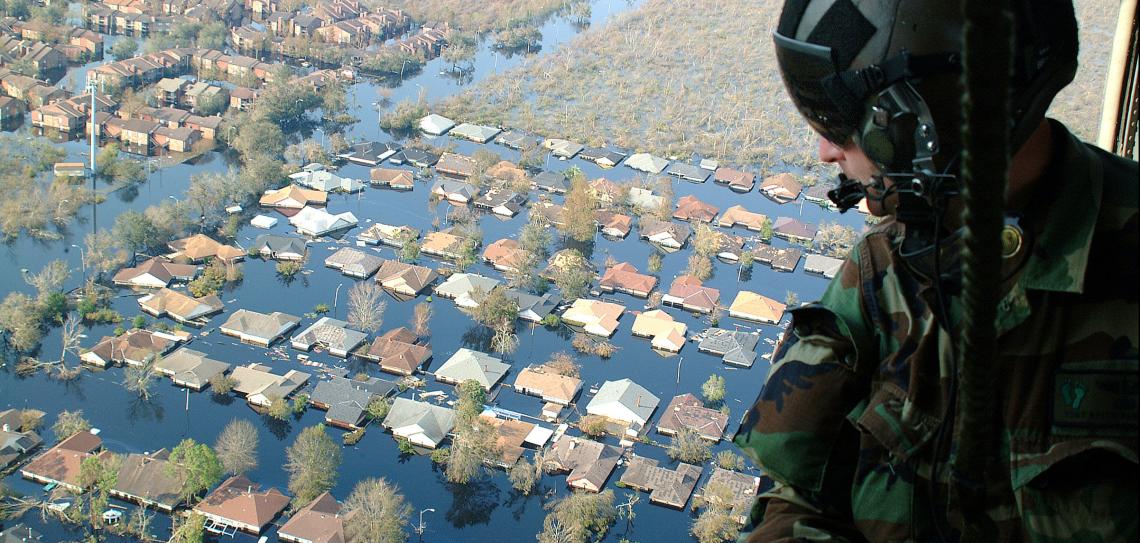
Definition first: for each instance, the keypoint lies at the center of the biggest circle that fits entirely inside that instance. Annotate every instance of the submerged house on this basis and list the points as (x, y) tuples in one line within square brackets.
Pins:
[(398, 351), (260, 386), (688, 172), (736, 180), (690, 208), (135, 347), (784, 260), (392, 178), (735, 347), (624, 277), (624, 402), (456, 165), (316, 222), (369, 153), (190, 368), (551, 182), (180, 307), (613, 224), (354, 262), (501, 202), (466, 289), (436, 125), (467, 364), (474, 132), (594, 316), (564, 149), (396, 236), (588, 462), (293, 197), (331, 334), (794, 230), (321, 521), (822, 265), (667, 234), (346, 400), (547, 384), (405, 279), (259, 328), (670, 487), (645, 162), (200, 247), (504, 255), (689, 294), (781, 188), (687, 411), (664, 333), (534, 308), (156, 272), (755, 307), (737, 215), (456, 192), (241, 504), (280, 247), (742, 487), (146, 479), (61, 463), (316, 177), (421, 423)]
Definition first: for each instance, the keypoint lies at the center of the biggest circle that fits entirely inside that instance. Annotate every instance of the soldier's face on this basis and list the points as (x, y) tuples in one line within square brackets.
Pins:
[(856, 165)]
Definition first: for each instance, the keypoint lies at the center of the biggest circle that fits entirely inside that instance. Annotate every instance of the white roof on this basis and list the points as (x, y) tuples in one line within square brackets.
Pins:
[(468, 364), (623, 400), (263, 221), (317, 222), (646, 162), (436, 124), (475, 132), (460, 285)]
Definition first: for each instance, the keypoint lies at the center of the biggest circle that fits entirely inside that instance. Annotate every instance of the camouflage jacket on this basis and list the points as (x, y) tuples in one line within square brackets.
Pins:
[(849, 425)]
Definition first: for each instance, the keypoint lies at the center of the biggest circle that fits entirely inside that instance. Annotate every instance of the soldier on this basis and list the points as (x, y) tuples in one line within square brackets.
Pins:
[(854, 425)]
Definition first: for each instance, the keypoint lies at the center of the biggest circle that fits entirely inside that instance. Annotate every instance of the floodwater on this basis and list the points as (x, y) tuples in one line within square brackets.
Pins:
[(486, 509)]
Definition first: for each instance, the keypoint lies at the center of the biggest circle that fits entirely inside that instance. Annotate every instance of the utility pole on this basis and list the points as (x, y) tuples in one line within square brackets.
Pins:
[(91, 173)]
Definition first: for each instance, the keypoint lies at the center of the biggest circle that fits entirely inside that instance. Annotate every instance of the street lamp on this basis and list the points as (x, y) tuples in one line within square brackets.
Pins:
[(421, 526)]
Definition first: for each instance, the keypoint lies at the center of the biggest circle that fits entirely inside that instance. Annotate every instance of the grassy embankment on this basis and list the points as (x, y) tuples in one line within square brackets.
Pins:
[(676, 78), (479, 17), (671, 77)]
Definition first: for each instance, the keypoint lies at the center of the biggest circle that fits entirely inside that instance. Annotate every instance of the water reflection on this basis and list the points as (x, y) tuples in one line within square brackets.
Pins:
[(141, 409), (472, 503)]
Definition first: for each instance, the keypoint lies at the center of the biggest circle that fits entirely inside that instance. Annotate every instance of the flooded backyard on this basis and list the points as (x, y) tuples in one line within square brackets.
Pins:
[(487, 509)]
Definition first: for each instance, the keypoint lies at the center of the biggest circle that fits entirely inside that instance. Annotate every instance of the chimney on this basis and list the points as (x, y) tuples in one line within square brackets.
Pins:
[(638, 400), (249, 489), (7, 428)]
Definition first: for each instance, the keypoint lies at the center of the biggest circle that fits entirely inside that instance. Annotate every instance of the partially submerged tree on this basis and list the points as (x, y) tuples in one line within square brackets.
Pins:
[(421, 320), (716, 524), (312, 461), (578, 518), (524, 475), (69, 423), (376, 512), (563, 363), (237, 447), (366, 306), (689, 446), (139, 378), (578, 212), (197, 464), (191, 529), (713, 389)]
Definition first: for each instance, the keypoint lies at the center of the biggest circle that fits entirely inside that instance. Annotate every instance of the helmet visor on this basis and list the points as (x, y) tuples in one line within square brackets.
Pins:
[(808, 70)]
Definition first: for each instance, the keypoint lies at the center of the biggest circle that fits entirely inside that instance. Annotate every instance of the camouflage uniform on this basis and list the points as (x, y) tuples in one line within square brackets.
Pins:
[(848, 424)]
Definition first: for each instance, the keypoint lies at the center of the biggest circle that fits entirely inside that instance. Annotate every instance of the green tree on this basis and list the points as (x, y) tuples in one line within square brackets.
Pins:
[(124, 48), (699, 266), (376, 512), (713, 389), (222, 384), (592, 425), (573, 278), (688, 446), (378, 408), (410, 251), (212, 35), (578, 212), (716, 524), (237, 447), (50, 279), (135, 231), (190, 530), (470, 404), (791, 299), (729, 460), (278, 407), (198, 467), (524, 475), (312, 461), (654, 264), (98, 474), (215, 104), (498, 312), (260, 137), (766, 228)]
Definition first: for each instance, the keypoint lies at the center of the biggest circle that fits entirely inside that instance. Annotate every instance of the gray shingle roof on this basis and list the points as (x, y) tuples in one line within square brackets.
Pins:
[(737, 348)]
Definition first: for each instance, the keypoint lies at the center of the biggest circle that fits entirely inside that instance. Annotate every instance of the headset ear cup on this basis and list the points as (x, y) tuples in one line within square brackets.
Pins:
[(876, 143)]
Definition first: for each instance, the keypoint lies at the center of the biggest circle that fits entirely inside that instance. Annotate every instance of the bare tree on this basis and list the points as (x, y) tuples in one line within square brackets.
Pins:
[(376, 512), (70, 334), (421, 320), (138, 379), (50, 279), (563, 363), (237, 447), (366, 306)]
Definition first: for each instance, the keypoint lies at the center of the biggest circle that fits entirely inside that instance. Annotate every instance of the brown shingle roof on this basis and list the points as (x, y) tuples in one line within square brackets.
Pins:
[(242, 500), (686, 411), (625, 277), (691, 208)]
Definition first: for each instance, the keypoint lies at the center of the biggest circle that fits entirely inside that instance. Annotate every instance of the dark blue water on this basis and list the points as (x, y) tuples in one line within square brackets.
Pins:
[(486, 509)]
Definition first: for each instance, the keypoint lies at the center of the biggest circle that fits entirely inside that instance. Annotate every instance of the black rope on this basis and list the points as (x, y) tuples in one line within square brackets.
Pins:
[(987, 45)]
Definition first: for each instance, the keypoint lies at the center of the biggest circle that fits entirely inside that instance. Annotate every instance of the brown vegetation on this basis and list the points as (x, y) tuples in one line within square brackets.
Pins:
[(479, 16)]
